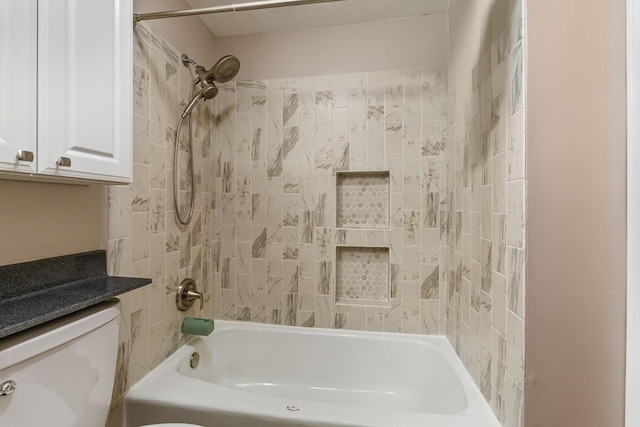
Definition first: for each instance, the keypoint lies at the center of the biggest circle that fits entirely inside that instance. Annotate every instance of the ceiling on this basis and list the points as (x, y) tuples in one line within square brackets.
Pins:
[(308, 16)]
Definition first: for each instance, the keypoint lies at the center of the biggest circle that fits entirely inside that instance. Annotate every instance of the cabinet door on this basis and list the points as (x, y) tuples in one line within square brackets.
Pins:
[(18, 37), (84, 88)]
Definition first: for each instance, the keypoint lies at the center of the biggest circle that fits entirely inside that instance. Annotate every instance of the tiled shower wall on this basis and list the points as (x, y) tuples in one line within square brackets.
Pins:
[(262, 243), (143, 239), (278, 147), (486, 201)]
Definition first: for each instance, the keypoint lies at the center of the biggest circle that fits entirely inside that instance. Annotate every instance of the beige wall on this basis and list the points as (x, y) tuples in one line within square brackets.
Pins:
[(575, 349), (189, 34), (381, 45), (40, 220)]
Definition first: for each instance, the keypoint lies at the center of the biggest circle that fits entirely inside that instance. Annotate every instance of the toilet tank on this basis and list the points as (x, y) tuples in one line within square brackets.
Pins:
[(63, 370)]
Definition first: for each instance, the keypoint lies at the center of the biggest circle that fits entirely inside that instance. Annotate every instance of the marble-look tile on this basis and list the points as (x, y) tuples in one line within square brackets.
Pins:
[(516, 79), (340, 321), (119, 257), (306, 258), (340, 125), (157, 212), (516, 147), (516, 280), (431, 174), (258, 274), (290, 308), (516, 214), (139, 332), (140, 139), (323, 103), (259, 247), (290, 275), (243, 257), (140, 239), (274, 159), (274, 259), (157, 120), (258, 307), (259, 209), (430, 251), (375, 122), (291, 176), (274, 226), (307, 116), (274, 292), (432, 141), (119, 212), (499, 184), (430, 209), (290, 110), (411, 193), (140, 90), (323, 304), (258, 145), (357, 106), (499, 242), (411, 228), (486, 265), (324, 271), (290, 210), (430, 279), (140, 188), (290, 239), (307, 227), (290, 143)]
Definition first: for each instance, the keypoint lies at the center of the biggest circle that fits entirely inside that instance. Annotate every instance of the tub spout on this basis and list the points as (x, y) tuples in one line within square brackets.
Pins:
[(195, 326)]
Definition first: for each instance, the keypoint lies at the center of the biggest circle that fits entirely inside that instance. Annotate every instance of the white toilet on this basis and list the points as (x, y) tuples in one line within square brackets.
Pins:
[(61, 374)]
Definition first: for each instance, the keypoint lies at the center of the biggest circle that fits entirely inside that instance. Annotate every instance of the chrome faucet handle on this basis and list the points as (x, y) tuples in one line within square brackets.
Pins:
[(187, 294)]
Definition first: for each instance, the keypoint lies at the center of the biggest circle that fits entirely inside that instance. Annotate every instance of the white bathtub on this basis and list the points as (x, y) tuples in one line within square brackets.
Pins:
[(253, 375)]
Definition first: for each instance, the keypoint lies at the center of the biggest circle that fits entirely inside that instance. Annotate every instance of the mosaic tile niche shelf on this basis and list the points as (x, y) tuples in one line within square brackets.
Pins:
[(362, 275), (362, 199)]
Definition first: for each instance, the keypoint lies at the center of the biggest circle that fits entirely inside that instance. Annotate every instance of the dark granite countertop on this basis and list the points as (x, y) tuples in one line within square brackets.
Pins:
[(36, 292)]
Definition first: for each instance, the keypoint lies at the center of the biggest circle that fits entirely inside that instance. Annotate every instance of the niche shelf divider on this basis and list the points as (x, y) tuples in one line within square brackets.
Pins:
[(362, 273)]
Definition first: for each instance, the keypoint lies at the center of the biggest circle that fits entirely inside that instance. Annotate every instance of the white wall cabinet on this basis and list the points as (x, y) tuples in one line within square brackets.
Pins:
[(18, 62), (84, 86)]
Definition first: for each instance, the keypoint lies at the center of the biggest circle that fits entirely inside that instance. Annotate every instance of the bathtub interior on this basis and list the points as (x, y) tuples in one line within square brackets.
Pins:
[(377, 371)]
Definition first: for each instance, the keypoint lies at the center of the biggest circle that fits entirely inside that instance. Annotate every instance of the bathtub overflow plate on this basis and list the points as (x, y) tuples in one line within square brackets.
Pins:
[(195, 360), (7, 388), (293, 408)]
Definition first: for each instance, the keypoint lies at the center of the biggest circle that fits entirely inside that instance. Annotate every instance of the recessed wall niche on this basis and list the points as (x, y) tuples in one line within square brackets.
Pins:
[(362, 199), (362, 275)]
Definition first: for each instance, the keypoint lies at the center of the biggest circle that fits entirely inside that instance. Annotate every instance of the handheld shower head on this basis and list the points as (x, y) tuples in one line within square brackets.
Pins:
[(208, 91)]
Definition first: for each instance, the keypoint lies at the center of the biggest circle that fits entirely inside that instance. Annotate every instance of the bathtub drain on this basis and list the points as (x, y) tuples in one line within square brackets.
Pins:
[(293, 408)]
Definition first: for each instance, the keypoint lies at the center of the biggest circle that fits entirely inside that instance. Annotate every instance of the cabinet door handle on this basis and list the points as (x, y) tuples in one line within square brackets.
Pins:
[(63, 161), (25, 156)]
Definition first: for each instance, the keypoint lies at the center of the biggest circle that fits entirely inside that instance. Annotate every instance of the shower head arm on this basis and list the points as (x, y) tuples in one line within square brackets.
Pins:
[(186, 61)]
